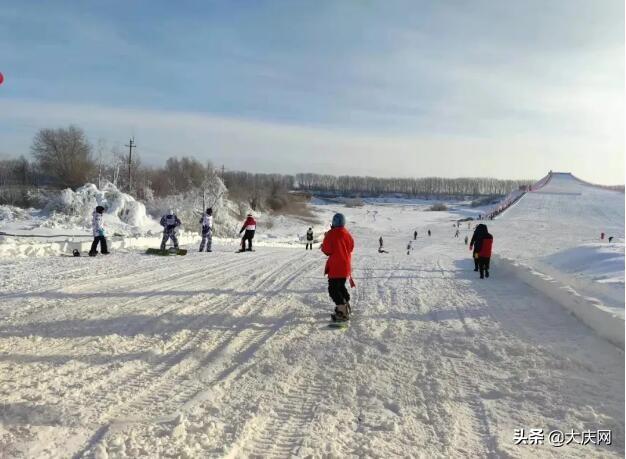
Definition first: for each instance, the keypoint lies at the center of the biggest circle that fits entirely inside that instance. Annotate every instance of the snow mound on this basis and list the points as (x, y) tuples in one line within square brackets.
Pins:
[(600, 262), (123, 214)]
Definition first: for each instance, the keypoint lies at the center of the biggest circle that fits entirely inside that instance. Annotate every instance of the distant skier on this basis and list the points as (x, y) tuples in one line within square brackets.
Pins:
[(456, 234), (429, 233), (409, 247), (170, 223), (250, 227), (380, 246), (309, 239), (97, 225), (415, 235), (610, 238), (338, 245), (207, 230), (465, 240)]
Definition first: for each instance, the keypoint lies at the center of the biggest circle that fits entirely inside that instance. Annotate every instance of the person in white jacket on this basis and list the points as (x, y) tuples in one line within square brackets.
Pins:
[(97, 226), (207, 230), (170, 222)]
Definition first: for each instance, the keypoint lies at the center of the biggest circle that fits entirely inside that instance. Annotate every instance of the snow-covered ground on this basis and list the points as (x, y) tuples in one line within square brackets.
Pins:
[(229, 355)]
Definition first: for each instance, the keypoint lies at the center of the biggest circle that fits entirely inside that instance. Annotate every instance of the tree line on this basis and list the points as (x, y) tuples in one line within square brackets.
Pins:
[(64, 157), (426, 186)]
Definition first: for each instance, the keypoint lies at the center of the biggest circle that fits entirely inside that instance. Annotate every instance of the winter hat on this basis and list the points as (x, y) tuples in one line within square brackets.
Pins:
[(209, 211), (99, 209), (338, 221)]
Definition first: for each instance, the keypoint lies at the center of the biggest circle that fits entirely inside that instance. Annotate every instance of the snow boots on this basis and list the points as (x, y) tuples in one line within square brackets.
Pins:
[(342, 313)]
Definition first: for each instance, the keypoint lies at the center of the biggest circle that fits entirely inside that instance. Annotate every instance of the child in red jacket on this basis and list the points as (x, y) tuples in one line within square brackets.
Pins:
[(338, 245)]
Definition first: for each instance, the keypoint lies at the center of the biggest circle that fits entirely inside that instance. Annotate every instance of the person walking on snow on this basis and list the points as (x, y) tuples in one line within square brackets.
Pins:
[(170, 222), (482, 248), (415, 235), (338, 246), (409, 247), (474, 246), (429, 233), (477, 231), (456, 234), (465, 240), (97, 225), (309, 239), (250, 227), (207, 230)]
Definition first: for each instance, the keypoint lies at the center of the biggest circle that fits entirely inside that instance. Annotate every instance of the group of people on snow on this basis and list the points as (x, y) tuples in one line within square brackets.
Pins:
[(170, 223), (338, 245)]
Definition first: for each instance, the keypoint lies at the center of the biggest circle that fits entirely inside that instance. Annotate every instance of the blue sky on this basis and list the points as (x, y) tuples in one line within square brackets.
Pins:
[(407, 88)]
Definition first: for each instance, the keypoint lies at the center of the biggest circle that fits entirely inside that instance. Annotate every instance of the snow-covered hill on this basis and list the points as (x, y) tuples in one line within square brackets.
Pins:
[(555, 231)]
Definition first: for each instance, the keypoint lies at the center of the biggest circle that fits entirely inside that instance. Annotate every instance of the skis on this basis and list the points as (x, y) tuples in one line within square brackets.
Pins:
[(242, 251), (170, 251)]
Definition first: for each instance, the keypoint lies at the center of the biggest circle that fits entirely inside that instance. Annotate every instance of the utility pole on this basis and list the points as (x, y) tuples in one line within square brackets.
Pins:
[(131, 145)]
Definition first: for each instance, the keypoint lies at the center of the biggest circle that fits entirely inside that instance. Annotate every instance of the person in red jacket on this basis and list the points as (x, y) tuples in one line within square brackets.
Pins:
[(338, 245), (482, 251), (250, 227)]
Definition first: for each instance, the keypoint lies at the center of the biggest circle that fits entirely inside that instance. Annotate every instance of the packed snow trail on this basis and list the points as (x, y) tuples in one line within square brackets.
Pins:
[(225, 354)]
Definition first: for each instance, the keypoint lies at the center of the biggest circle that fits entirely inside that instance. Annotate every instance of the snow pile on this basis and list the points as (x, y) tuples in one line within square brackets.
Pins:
[(11, 213), (603, 263), (123, 213)]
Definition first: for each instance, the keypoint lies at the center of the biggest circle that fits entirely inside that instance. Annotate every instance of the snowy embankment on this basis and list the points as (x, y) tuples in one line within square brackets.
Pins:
[(607, 321), (551, 239), (64, 224)]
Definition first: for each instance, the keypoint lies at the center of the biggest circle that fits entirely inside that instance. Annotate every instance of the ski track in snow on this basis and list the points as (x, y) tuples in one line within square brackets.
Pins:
[(229, 355)]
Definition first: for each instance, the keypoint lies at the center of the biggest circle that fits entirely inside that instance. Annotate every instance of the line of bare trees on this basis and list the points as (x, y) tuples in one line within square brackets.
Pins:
[(427, 186)]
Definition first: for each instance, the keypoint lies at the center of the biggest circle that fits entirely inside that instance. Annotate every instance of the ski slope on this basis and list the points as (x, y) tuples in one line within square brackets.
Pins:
[(562, 214), (554, 232), (229, 355)]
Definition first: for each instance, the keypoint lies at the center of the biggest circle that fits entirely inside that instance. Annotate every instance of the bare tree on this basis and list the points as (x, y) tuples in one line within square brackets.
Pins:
[(65, 154)]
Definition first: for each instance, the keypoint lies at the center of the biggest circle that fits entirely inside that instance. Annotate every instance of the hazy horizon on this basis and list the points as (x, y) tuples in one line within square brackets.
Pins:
[(506, 90)]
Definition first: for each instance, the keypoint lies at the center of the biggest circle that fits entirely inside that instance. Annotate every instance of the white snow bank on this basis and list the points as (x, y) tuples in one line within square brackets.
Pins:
[(602, 263), (606, 321), (20, 248)]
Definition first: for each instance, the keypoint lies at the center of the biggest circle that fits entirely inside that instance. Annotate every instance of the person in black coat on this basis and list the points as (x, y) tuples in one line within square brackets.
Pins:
[(474, 246), (309, 239)]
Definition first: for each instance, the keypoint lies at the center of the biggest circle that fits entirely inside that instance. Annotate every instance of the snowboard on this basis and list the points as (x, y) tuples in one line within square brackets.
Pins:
[(339, 324), (170, 251)]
